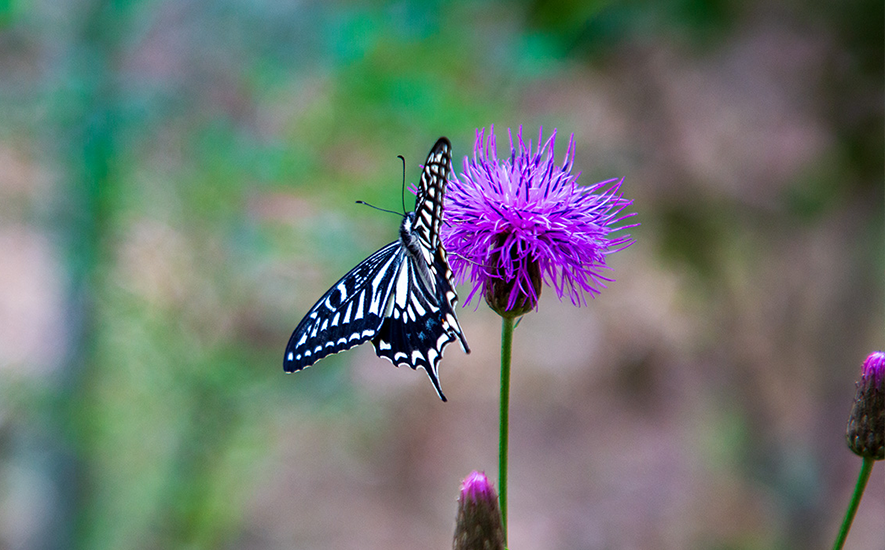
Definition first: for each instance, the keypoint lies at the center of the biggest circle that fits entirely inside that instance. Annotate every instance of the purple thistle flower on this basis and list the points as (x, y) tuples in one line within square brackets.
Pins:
[(514, 223)]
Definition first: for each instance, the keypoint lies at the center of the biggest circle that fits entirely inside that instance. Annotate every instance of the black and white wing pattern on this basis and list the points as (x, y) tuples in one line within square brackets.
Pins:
[(402, 297)]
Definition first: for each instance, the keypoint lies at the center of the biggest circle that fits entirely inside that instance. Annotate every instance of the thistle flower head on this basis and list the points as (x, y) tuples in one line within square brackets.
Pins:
[(514, 223), (866, 423), (478, 524)]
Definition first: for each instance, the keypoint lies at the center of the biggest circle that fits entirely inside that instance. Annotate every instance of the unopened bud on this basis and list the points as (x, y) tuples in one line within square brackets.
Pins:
[(866, 424), (478, 525)]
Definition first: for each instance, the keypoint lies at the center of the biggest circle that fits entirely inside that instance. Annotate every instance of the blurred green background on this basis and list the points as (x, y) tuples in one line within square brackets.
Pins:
[(177, 187)]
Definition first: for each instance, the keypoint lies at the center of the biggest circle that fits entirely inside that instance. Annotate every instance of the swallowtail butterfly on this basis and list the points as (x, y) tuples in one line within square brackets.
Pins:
[(402, 297)]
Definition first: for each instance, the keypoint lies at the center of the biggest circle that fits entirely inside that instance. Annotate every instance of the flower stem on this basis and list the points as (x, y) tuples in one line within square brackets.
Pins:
[(865, 470), (504, 425)]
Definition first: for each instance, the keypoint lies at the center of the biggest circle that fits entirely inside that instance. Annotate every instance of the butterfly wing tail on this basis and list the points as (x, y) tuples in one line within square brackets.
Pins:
[(394, 336)]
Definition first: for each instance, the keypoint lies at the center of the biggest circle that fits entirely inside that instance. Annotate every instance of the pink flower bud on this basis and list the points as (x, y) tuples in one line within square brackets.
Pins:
[(478, 525)]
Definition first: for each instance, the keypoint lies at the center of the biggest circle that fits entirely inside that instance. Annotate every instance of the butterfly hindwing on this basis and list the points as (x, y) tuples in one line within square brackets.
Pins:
[(402, 297), (421, 326)]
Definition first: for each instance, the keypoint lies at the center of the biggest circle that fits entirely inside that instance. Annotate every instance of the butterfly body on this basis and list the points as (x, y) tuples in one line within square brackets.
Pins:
[(402, 297)]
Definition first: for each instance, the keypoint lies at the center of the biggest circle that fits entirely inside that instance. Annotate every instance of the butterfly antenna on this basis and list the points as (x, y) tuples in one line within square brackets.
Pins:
[(364, 203), (403, 190)]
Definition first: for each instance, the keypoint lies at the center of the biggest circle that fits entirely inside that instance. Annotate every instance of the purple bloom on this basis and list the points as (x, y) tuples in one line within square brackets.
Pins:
[(513, 223)]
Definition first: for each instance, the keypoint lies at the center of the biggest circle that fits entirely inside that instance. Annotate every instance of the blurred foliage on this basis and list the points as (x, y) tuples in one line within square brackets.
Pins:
[(194, 167)]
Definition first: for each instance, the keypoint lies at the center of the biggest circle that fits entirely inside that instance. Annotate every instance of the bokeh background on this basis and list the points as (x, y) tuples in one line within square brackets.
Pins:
[(177, 187)]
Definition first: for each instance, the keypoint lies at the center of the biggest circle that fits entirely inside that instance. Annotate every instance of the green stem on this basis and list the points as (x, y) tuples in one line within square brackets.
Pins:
[(504, 425), (865, 470)]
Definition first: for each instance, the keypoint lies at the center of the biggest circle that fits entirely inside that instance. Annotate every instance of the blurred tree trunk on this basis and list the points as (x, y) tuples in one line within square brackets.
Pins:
[(87, 104)]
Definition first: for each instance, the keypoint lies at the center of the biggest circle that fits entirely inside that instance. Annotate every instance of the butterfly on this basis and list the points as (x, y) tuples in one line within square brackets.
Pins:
[(402, 297)]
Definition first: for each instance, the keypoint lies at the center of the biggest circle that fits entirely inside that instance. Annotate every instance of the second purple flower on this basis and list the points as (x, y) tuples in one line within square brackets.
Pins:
[(513, 223)]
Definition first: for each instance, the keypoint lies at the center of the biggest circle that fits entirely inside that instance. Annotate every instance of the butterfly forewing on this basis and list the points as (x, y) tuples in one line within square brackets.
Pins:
[(402, 297), (429, 202), (349, 313), (429, 214)]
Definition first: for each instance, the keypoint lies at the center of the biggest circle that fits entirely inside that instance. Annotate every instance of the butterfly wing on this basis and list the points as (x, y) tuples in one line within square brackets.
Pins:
[(349, 313), (431, 191), (421, 323), (422, 319), (428, 218)]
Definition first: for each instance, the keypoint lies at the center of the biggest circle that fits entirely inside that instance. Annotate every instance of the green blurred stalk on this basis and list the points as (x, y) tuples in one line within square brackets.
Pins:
[(862, 479), (86, 107), (504, 422)]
